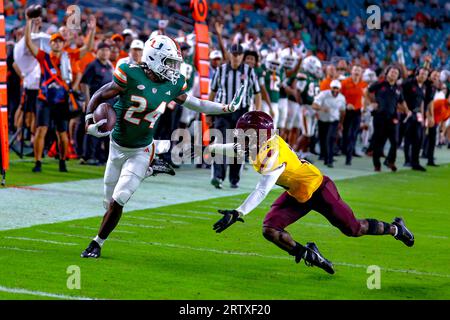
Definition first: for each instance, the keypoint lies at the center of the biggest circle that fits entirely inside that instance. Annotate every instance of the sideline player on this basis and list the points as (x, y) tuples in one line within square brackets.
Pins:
[(144, 91), (308, 85), (306, 189)]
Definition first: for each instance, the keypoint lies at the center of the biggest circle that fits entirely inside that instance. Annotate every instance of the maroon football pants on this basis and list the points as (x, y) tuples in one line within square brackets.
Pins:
[(325, 200)]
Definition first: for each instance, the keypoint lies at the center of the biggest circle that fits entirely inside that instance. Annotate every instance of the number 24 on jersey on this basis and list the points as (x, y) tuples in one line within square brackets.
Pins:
[(151, 117)]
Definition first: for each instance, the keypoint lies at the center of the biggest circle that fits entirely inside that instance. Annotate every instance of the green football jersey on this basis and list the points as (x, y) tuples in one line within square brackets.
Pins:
[(140, 105), (188, 71), (309, 88), (287, 82), (272, 82)]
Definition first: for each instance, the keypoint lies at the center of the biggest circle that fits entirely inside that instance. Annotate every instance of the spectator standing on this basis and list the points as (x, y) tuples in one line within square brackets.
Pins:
[(353, 91), (414, 93), (330, 75), (386, 97), (330, 105), (215, 59), (433, 85), (97, 74), (135, 54)]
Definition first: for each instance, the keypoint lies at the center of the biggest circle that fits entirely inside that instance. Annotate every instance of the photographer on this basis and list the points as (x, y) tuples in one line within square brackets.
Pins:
[(53, 104)]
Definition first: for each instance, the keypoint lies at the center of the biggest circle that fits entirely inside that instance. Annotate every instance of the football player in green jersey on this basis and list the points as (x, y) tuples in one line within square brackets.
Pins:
[(144, 91), (287, 105), (187, 69), (272, 79), (308, 85)]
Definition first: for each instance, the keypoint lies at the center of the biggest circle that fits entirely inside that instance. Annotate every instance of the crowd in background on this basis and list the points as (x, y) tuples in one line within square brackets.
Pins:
[(348, 112)]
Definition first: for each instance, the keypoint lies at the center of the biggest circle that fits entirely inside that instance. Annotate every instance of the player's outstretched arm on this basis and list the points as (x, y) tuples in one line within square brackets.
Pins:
[(108, 91), (254, 199), (211, 107)]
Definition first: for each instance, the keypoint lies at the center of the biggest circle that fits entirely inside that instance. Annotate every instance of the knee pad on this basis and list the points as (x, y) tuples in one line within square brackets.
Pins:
[(126, 186)]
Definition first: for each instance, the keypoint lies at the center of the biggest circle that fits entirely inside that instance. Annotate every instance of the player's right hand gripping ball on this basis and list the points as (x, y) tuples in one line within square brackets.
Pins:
[(229, 217), (104, 119)]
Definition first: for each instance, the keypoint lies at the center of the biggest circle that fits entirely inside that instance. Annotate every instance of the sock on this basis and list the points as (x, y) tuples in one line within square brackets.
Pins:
[(298, 251), (396, 230), (99, 240)]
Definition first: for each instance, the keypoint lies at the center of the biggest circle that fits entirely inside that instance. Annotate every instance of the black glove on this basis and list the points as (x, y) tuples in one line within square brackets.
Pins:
[(229, 217)]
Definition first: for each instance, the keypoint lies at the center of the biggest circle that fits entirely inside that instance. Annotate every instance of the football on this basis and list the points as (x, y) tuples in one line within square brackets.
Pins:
[(34, 11), (105, 111)]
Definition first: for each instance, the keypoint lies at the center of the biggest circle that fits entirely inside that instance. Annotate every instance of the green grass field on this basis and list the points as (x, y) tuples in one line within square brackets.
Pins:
[(172, 253)]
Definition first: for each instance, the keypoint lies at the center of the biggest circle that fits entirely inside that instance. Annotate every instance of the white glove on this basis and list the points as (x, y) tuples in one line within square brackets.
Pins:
[(92, 129)]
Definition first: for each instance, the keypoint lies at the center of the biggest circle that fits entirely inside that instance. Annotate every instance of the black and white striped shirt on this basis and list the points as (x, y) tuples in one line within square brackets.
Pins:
[(227, 81)]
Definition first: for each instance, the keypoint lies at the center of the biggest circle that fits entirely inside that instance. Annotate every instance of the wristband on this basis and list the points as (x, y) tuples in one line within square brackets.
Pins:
[(88, 117)]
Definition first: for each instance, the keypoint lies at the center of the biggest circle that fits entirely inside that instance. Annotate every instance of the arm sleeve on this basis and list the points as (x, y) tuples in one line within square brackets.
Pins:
[(205, 106), (261, 191)]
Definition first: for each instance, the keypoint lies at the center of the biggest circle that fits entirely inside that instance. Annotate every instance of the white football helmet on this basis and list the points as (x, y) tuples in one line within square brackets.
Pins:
[(313, 66), (369, 76), (162, 55), (273, 62), (288, 58)]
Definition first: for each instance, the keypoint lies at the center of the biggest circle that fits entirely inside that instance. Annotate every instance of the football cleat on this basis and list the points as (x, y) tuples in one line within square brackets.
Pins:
[(217, 183), (92, 251), (313, 257), (161, 166), (403, 234)]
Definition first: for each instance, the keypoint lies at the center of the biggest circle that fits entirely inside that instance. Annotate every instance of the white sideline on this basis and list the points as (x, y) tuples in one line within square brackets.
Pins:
[(42, 294), (253, 254)]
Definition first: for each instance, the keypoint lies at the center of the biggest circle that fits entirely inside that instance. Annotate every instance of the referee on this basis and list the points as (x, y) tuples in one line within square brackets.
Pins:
[(228, 78)]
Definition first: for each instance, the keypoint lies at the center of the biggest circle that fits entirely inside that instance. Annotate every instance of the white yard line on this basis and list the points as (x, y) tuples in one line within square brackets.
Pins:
[(181, 216), (96, 229), (19, 249), (42, 240), (250, 254), (156, 219), (42, 294), (141, 226)]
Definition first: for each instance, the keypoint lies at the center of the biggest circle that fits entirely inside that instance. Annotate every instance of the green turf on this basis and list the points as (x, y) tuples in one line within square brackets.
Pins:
[(185, 259), (20, 174)]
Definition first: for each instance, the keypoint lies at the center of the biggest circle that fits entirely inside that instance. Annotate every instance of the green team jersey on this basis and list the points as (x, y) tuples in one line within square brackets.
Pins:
[(188, 71), (140, 105), (309, 87), (272, 82), (287, 82)]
